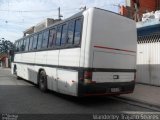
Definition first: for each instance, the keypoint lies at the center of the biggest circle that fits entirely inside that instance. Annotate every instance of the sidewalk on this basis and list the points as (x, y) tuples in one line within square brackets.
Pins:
[(145, 94)]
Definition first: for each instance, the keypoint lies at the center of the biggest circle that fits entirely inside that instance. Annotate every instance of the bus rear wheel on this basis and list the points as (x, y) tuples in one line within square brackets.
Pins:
[(43, 81)]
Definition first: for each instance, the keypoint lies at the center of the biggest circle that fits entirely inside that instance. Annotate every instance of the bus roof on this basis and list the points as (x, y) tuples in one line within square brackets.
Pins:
[(72, 17)]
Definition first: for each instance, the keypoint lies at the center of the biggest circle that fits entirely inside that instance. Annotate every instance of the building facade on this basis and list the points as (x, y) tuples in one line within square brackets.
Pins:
[(148, 49), (134, 9), (146, 13), (148, 55), (4, 60)]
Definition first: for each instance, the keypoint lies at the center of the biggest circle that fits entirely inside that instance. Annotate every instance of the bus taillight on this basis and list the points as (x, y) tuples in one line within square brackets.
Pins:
[(87, 77)]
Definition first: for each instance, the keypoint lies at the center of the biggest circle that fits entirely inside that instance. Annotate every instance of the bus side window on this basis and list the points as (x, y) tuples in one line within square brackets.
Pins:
[(22, 45), (27, 44), (52, 36), (17, 46), (39, 41), (58, 37), (31, 42), (77, 33), (64, 33), (34, 46), (45, 39), (70, 34)]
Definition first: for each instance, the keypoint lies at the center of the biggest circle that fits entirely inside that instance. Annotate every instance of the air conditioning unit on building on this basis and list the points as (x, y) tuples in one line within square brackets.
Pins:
[(157, 14), (40, 26), (128, 3)]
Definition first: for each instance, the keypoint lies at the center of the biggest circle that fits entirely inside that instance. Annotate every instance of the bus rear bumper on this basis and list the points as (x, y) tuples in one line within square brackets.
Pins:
[(106, 89)]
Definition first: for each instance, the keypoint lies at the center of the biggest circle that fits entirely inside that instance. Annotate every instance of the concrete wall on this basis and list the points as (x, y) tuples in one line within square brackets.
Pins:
[(5, 62)]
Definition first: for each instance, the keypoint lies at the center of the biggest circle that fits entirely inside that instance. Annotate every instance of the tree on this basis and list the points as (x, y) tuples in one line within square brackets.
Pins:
[(5, 46)]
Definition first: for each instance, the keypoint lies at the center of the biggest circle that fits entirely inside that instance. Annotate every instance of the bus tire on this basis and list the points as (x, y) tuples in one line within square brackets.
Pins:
[(18, 78), (43, 81)]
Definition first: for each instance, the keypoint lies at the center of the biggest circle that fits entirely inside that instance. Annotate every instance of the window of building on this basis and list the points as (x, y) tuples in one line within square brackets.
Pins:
[(70, 32), (58, 37), (34, 46), (39, 41), (52, 36), (31, 42), (64, 33), (45, 39), (77, 33)]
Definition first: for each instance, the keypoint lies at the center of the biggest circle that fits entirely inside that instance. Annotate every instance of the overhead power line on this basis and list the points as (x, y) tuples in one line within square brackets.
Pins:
[(35, 10)]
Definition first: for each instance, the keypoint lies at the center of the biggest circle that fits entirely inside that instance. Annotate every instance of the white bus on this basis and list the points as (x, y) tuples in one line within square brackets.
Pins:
[(91, 53)]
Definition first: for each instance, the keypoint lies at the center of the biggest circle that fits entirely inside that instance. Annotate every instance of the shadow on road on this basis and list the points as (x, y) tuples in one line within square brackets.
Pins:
[(87, 101)]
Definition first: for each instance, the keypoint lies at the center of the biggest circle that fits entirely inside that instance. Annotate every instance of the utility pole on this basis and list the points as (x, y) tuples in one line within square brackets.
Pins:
[(83, 8), (59, 13)]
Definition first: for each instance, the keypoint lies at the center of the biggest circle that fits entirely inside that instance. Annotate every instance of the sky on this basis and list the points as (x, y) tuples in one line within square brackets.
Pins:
[(18, 15)]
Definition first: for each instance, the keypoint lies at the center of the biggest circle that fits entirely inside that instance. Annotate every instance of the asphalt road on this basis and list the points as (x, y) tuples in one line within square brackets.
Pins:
[(21, 97)]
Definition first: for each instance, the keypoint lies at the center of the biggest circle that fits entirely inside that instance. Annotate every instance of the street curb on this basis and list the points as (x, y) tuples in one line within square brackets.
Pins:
[(147, 84), (140, 102)]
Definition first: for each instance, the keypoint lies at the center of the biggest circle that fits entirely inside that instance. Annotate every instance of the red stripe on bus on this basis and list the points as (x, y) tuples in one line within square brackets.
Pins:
[(114, 49)]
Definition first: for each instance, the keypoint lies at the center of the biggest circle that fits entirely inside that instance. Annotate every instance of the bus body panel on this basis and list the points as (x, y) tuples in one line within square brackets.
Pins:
[(113, 31), (69, 57), (84, 39), (111, 45), (41, 57), (52, 57), (17, 57), (101, 77), (31, 73), (67, 81), (112, 59), (28, 57), (87, 41)]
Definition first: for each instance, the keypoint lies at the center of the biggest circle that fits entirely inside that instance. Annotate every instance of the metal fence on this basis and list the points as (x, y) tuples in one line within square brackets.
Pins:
[(148, 59)]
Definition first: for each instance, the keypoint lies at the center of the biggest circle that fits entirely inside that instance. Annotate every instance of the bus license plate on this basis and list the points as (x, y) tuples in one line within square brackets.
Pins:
[(115, 90)]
